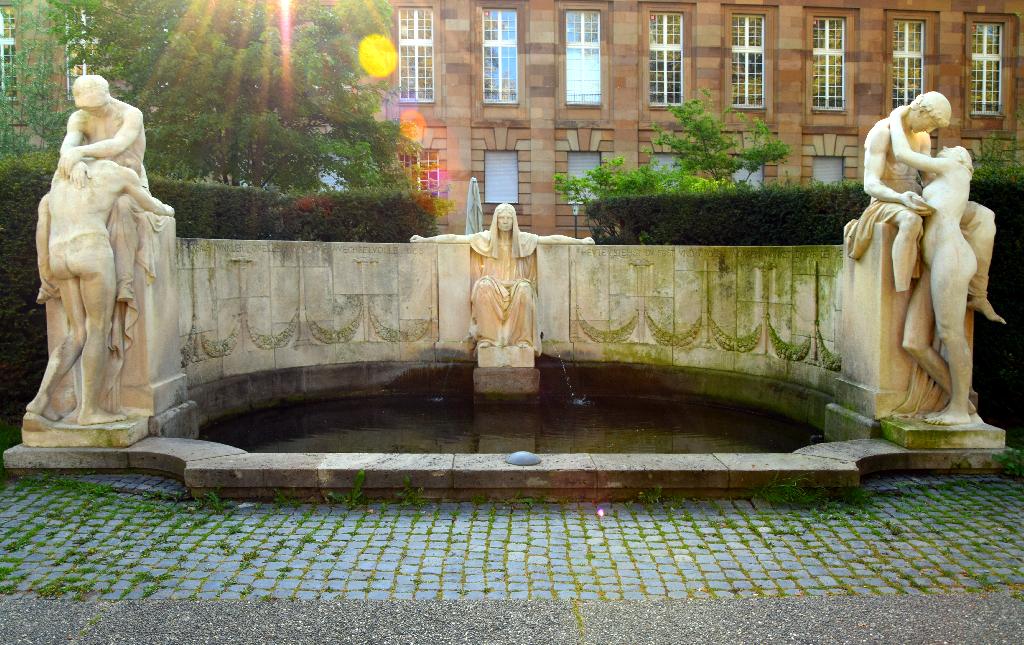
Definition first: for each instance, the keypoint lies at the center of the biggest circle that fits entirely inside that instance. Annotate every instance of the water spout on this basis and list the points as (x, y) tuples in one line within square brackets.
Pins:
[(578, 401), (439, 397)]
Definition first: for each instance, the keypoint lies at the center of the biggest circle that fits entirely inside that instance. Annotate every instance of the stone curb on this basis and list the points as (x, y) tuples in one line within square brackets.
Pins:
[(231, 472)]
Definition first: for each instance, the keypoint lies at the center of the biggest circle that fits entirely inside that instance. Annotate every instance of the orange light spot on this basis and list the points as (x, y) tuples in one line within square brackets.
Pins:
[(413, 124), (377, 55)]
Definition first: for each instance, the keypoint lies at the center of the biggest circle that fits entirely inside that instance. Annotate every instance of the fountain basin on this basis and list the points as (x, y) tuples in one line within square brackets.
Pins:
[(232, 472)]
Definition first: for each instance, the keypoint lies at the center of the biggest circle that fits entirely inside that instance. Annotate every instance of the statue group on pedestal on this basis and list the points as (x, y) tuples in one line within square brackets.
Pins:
[(97, 223), (942, 252)]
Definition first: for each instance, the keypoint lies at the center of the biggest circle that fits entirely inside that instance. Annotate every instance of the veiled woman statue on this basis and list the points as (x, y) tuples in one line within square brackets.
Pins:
[(504, 295)]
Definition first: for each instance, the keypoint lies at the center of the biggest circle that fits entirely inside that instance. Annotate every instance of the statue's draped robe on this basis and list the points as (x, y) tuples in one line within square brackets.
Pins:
[(504, 295)]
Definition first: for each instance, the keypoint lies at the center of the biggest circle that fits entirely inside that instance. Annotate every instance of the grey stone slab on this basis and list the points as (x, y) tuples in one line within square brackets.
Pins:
[(953, 460), (842, 424), (171, 455), (506, 383), (754, 470), (555, 472), (386, 470), (22, 459), (638, 471), (920, 435), (255, 471), (870, 455)]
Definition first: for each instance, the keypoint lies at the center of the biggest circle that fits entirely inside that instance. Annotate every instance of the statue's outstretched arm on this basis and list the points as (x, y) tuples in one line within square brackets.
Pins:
[(133, 188), (48, 289), (563, 239), (448, 238)]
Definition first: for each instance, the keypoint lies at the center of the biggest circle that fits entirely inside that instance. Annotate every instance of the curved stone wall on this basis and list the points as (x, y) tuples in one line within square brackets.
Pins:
[(251, 307)]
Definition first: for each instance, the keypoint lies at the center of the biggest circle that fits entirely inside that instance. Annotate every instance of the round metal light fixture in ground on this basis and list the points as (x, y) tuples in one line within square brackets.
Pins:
[(522, 458)]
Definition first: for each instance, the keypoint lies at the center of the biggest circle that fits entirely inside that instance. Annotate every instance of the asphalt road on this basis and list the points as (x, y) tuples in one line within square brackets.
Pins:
[(960, 618)]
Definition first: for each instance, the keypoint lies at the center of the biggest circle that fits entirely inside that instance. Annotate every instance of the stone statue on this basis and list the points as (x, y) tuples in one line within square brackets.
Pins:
[(105, 128), (96, 225), (939, 301), (895, 192), (76, 265), (504, 297)]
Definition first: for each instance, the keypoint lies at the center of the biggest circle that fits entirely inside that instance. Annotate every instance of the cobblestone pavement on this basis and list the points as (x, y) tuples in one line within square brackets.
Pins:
[(131, 537)]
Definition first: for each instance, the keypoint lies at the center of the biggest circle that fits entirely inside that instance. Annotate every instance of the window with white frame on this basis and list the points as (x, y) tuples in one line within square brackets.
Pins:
[(501, 71), (829, 62), (416, 55), (425, 169), (665, 67), (987, 68), (827, 169), (750, 177), (663, 160), (7, 50), (580, 162), (583, 57), (907, 61), (501, 177), (748, 61)]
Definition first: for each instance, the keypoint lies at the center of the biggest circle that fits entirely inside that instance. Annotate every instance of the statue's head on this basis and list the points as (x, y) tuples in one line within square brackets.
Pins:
[(928, 112), (91, 92), (505, 215), (960, 155)]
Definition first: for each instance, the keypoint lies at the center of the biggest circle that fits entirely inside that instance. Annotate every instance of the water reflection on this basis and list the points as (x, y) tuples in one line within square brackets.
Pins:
[(456, 426)]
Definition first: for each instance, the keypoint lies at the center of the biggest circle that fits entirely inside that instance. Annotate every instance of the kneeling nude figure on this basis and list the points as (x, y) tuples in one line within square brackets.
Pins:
[(939, 300), (75, 254)]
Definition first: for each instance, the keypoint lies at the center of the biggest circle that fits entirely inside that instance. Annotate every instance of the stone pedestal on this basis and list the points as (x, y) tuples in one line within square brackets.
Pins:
[(505, 357), (506, 384), (915, 434), (153, 388), (37, 432), (876, 370)]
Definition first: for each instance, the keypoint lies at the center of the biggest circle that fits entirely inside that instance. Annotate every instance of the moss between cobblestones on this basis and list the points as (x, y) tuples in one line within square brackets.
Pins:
[(66, 537)]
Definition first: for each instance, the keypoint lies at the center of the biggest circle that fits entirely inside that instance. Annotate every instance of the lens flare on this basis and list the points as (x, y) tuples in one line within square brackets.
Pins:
[(377, 55), (412, 125), (600, 512), (286, 49)]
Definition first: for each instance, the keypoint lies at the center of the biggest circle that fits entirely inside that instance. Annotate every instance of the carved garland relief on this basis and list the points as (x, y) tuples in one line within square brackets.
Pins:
[(705, 331), (359, 311)]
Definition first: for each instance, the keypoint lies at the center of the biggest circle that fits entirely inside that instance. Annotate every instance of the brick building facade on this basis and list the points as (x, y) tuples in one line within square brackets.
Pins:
[(820, 75), (527, 89)]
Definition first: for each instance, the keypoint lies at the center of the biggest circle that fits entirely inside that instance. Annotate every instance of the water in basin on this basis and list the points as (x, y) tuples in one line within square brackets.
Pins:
[(424, 425)]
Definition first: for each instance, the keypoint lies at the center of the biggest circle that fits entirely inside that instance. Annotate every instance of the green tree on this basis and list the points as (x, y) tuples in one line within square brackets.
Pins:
[(704, 147), (613, 179), (33, 106), (240, 91)]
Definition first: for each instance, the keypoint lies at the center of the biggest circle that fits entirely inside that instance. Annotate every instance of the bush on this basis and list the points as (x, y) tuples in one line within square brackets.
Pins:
[(213, 211), (734, 216), (816, 214)]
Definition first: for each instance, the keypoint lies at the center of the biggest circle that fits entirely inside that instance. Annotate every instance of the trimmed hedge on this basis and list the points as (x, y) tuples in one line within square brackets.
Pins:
[(816, 214), (774, 215), (202, 210)]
